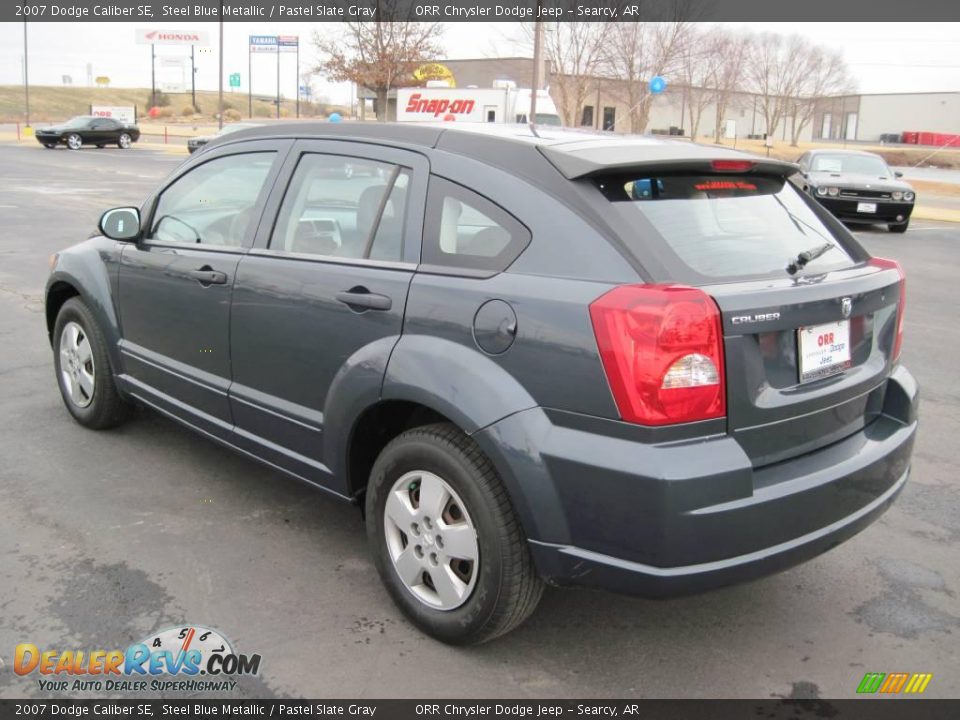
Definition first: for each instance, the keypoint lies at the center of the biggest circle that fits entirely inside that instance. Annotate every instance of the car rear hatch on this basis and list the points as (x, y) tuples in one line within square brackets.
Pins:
[(806, 361), (810, 323)]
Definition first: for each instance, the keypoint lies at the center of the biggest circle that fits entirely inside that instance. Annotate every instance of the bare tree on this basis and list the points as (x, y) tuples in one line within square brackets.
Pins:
[(730, 52), (637, 52), (824, 74), (379, 55), (575, 53), (698, 66), (774, 73)]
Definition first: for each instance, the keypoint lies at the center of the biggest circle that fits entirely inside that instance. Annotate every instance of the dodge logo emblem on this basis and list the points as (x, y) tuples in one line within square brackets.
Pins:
[(846, 306)]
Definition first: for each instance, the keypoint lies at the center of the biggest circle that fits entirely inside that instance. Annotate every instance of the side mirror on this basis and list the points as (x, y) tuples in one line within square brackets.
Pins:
[(897, 174), (121, 224)]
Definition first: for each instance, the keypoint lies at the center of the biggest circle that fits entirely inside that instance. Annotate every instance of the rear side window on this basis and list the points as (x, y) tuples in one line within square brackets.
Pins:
[(465, 230), (723, 226)]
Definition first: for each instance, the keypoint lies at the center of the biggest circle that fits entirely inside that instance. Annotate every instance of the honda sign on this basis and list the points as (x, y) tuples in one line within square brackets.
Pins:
[(154, 36)]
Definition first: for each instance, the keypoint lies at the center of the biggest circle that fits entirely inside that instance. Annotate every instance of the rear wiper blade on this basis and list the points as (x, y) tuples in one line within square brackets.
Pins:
[(801, 260)]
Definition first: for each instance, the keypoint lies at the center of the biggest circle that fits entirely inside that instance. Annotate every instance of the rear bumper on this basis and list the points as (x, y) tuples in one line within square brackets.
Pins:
[(661, 520), (846, 210), (571, 565)]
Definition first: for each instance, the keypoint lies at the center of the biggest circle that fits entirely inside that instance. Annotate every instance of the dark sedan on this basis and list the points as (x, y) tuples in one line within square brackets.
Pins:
[(195, 143), (858, 187), (88, 130)]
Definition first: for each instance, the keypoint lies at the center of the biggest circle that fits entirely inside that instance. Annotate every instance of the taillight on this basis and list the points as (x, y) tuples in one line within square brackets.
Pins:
[(662, 351), (888, 264)]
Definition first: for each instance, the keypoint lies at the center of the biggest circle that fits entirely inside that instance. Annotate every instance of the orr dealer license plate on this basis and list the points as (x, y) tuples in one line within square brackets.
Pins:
[(824, 350)]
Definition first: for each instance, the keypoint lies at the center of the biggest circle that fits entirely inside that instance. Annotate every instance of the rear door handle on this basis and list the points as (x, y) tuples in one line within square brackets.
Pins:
[(208, 276), (363, 298)]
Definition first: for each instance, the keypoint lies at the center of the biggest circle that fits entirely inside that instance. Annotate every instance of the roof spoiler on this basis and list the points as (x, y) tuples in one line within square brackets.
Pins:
[(614, 160)]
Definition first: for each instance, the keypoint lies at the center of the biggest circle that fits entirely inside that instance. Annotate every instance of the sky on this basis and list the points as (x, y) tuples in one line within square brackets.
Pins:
[(882, 57)]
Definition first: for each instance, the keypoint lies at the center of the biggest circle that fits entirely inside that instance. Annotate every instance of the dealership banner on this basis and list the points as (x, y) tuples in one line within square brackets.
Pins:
[(124, 113), (192, 11), (478, 709)]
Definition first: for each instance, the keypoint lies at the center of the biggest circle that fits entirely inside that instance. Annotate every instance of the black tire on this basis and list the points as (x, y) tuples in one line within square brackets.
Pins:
[(901, 228), (50, 146), (107, 408), (74, 141), (101, 146), (124, 141), (507, 588)]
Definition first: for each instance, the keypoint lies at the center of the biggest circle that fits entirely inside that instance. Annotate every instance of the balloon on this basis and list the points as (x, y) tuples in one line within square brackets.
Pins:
[(658, 85), (335, 117)]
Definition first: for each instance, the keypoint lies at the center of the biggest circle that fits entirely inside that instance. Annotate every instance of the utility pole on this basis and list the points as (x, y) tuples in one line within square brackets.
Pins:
[(298, 75), (249, 81), (26, 74), (278, 78), (153, 75), (220, 79), (537, 59), (193, 79)]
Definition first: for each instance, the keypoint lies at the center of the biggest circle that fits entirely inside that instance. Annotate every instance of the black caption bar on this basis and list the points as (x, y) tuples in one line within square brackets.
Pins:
[(192, 11), (472, 709)]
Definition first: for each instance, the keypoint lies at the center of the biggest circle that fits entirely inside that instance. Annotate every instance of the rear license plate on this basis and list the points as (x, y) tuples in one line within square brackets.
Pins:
[(866, 207), (824, 349)]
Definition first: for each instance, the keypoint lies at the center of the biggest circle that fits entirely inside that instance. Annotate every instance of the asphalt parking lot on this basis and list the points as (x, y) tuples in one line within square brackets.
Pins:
[(105, 537)]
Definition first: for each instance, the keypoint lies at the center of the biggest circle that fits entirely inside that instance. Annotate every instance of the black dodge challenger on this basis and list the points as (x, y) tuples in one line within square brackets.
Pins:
[(857, 187), (88, 130)]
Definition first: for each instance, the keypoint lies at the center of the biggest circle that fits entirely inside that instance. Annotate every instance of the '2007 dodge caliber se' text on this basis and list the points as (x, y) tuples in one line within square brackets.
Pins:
[(539, 357)]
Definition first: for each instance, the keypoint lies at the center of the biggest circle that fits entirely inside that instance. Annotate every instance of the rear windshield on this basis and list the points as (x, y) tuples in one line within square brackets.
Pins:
[(723, 226)]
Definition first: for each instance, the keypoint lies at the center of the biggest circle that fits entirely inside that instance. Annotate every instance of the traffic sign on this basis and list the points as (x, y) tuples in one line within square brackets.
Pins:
[(235, 80)]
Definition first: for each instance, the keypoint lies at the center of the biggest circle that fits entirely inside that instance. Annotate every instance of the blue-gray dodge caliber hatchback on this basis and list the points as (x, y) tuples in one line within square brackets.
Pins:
[(531, 356)]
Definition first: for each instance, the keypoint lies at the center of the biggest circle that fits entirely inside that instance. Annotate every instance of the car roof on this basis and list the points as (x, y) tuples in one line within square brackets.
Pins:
[(575, 153), (841, 151)]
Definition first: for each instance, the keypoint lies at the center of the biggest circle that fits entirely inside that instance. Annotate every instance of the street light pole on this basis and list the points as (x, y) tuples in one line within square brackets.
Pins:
[(220, 82), (537, 58), (193, 78), (26, 74), (153, 75)]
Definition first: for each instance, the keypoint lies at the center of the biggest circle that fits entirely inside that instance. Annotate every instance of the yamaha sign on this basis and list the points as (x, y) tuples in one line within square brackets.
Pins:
[(156, 36)]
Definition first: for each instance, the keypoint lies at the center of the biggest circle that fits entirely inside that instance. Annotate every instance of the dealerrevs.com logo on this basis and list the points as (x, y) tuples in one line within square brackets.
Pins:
[(187, 659)]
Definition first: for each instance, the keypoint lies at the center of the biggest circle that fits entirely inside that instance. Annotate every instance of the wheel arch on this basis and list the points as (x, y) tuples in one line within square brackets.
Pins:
[(372, 432), (82, 272), (429, 380), (58, 292)]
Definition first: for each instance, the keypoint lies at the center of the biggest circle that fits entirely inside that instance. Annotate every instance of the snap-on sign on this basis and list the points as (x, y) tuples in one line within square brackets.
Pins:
[(439, 106)]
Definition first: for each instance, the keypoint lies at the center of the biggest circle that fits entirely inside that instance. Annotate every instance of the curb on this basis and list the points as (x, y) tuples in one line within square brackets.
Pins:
[(921, 212)]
